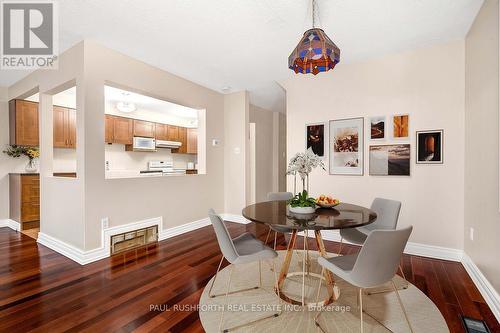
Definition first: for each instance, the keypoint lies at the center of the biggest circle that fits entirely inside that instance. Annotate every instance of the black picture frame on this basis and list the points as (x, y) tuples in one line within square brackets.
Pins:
[(430, 147)]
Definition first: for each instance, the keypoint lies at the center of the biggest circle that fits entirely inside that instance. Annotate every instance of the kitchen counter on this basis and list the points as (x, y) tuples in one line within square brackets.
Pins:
[(117, 174), (70, 174)]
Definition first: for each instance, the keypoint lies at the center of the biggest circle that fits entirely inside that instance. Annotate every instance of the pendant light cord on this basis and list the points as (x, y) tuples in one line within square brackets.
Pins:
[(314, 13)]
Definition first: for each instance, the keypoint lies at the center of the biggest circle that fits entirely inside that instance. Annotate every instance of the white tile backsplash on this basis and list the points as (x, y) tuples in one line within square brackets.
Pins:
[(119, 159)]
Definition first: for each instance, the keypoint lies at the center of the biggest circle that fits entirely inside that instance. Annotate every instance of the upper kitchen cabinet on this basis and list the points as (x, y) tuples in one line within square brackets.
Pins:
[(23, 123), (119, 130), (192, 141), (182, 138), (173, 133), (144, 128), (161, 132), (64, 127)]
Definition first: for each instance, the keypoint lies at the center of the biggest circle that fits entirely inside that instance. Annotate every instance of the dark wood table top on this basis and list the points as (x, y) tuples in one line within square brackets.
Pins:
[(276, 213)]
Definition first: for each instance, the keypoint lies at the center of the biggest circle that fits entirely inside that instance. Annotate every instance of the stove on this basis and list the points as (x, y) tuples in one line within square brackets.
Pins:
[(165, 167)]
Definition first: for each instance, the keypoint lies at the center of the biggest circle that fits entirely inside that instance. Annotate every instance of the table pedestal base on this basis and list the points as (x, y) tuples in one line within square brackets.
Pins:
[(333, 291)]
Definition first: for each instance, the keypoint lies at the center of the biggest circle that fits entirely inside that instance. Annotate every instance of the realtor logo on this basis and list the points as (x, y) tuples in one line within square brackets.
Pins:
[(29, 34)]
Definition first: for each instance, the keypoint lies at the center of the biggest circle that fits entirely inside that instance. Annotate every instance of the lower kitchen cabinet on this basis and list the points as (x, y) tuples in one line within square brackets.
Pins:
[(25, 199)]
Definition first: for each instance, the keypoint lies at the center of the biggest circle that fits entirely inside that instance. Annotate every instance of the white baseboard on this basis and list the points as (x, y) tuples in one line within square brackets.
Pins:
[(85, 257), (235, 218), (175, 231), (489, 293), (16, 226)]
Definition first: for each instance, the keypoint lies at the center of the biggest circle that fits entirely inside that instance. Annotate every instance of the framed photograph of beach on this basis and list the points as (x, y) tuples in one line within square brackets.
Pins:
[(346, 146), (390, 160)]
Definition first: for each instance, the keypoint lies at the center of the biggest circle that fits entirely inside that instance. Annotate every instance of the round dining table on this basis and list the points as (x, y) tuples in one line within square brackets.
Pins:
[(276, 214)]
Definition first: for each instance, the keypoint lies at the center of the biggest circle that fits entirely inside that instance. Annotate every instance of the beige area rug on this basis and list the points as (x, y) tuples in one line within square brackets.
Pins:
[(340, 316)]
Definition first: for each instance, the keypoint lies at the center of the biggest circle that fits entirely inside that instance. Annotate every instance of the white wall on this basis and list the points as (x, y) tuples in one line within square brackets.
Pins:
[(481, 143), (119, 159), (266, 150), (62, 213), (64, 160), (426, 83), (7, 164), (178, 200), (236, 135)]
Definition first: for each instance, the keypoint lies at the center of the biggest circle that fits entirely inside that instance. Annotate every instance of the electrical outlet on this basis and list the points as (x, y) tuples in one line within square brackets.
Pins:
[(471, 234), (105, 223), (215, 142)]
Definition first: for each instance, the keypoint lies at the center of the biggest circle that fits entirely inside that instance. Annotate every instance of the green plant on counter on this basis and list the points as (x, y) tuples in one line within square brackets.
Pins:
[(16, 151), (302, 200)]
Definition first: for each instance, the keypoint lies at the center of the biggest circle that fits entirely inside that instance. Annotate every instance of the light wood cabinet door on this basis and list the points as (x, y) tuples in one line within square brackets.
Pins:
[(192, 141), (72, 128), (173, 133), (108, 128), (123, 130), (60, 128), (24, 123), (144, 128), (161, 132), (182, 138), (64, 127)]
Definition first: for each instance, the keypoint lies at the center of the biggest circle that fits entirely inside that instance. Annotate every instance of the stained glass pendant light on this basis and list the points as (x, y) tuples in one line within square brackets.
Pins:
[(315, 52)]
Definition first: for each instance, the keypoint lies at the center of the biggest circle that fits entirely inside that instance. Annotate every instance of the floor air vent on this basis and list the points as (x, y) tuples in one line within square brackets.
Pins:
[(475, 326), (133, 239)]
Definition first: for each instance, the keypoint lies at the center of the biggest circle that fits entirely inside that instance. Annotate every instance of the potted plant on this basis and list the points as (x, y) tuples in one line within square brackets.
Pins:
[(31, 152), (302, 164)]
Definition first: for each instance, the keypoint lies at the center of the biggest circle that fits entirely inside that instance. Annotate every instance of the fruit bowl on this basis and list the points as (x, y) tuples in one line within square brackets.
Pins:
[(325, 201)]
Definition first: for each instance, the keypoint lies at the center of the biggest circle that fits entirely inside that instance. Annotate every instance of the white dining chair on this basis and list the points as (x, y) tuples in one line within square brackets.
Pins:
[(243, 249), (375, 265), (387, 219)]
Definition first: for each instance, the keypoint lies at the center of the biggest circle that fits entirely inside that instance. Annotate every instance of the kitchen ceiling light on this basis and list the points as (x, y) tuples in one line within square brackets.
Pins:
[(126, 107), (315, 52)]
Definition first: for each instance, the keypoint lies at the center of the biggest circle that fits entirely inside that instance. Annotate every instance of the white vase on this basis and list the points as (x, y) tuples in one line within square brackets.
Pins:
[(32, 166), (302, 210)]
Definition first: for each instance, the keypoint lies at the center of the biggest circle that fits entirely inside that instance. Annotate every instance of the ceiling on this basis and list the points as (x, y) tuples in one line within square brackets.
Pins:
[(245, 44)]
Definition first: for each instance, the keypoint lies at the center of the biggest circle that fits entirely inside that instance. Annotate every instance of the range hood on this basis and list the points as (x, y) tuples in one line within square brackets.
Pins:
[(168, 144)]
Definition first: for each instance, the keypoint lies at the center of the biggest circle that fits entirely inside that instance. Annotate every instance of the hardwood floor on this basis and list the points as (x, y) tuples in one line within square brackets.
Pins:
[(42, 291)]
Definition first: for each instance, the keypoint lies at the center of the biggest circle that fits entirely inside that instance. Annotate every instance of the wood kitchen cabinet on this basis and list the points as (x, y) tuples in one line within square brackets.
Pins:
[(182, 138), (119, 130), (25, 199), (64, 127), (192, 141), (23, 123), (161, 132), (173, 133), (144, 128)]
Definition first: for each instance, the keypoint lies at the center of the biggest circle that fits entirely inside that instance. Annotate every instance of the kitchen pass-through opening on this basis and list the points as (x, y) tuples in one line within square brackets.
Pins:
[(146, 136)]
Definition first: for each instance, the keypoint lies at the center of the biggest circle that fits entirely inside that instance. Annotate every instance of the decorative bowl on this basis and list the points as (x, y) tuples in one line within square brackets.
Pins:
[(302, 210), (322, 205)]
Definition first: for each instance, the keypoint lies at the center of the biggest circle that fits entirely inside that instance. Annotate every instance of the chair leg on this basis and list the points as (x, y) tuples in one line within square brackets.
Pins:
[(260, 273), (304, 271), (267, 237), (275, 238), (215, 277), (232, 292), (361, 310), (402, 305), (274, 315), (226, 299), (340, 246)]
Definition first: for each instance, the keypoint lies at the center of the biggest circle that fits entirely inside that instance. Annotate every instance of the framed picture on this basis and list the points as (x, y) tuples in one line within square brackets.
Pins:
[(401, 126), (430, 147), (390, 160), (377, 128), (346, 146), (315, 138)]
